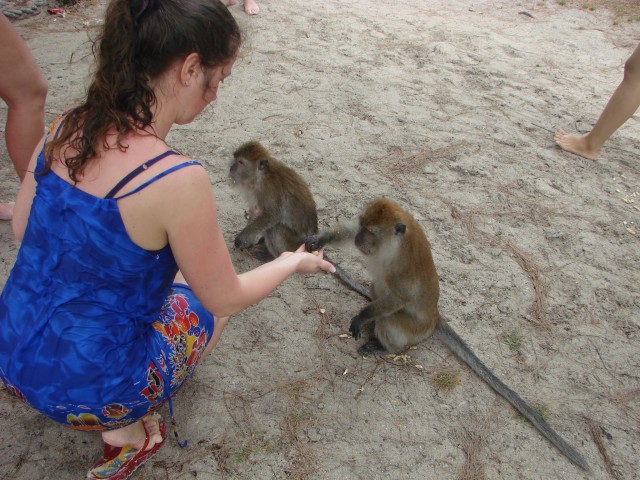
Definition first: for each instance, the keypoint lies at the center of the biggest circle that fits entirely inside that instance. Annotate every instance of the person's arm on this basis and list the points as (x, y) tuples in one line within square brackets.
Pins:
[(25, 196), (190, 218)]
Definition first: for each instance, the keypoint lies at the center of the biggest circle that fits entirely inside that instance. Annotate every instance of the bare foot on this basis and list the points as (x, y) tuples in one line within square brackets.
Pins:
[(6, 210), (134, 435), (578, 144), (251, 7), (152, 425)]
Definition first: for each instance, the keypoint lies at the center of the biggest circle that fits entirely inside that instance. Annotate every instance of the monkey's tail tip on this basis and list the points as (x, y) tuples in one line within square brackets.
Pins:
[(578, 460)]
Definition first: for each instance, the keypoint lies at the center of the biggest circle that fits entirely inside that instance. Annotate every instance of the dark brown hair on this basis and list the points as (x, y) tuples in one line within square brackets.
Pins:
[(139, 41)]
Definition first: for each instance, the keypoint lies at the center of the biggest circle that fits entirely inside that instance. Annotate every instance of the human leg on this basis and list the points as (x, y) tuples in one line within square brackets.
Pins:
[(24, 89), (221, 322), (623, 103), (184, 330)]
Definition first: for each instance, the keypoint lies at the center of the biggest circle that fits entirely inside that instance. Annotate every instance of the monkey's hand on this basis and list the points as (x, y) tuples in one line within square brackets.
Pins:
[(356, 327), (313, 243)]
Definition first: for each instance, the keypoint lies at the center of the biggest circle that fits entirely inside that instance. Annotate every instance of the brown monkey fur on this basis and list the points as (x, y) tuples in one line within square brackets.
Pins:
[(282, 212), (405, 291), (281, 208)]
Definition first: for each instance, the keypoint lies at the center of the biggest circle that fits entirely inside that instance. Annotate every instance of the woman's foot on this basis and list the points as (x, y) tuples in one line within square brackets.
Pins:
[(135, 435), (153, 428), (578, 144), (6, 210), (125, 449), (251, 7)]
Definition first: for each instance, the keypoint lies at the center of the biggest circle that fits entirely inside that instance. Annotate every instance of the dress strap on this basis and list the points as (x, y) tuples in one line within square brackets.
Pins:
[(57, 126), (137, 171), (54, 129), (158, 177)]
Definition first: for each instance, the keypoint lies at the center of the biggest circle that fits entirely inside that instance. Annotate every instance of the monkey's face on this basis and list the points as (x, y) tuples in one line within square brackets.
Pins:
[(371, 240), (243, 172), (366, 240), (250, 162), (233, 171)]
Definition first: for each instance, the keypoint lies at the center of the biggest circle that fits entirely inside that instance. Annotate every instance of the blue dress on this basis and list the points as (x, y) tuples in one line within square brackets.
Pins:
[(93, 333)]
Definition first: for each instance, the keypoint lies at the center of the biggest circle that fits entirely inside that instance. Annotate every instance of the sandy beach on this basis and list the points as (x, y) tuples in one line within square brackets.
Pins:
[(449, 108)]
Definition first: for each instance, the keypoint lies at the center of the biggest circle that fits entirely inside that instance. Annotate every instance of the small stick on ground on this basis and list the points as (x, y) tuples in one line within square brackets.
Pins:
[(532, 270), (596, 435), (472, 439)]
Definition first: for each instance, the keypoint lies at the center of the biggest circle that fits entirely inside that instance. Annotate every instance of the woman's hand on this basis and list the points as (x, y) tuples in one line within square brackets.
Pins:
[(309, 262)]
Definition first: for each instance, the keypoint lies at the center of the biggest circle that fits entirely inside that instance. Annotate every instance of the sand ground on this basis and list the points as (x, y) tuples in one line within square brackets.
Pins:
[(449, 108)]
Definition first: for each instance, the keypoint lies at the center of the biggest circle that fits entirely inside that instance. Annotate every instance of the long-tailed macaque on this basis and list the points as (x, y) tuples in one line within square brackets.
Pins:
[(405, 291), (282, 212)]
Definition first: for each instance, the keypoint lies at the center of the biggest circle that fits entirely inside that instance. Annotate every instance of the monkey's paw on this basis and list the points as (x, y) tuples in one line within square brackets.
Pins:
[(313, 244), (244, 241), (373, 346), (356, 329)]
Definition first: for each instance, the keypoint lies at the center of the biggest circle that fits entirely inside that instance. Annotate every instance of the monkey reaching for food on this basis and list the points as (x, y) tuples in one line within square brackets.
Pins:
[(405, 291), (282, 212)]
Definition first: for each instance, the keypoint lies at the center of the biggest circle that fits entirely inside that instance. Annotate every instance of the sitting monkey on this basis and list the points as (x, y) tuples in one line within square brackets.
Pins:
[(405, 292), (282, 212)]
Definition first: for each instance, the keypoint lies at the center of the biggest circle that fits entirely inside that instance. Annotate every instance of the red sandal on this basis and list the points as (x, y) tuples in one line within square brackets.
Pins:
[(119, 463)]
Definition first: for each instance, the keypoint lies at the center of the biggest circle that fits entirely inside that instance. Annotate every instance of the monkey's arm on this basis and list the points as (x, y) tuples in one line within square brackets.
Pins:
[(377, 310), (255, 230), (339, 232)]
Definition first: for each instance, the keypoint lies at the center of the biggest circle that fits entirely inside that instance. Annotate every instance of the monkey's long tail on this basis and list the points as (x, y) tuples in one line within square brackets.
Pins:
[(462, 350), (346, 280)]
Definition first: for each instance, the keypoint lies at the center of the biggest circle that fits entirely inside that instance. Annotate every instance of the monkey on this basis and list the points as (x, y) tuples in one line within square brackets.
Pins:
[(405, 292), (282, 211)]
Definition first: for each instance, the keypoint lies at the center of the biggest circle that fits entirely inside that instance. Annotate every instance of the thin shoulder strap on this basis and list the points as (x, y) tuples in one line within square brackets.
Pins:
[(137, 171), (54, 128), (58, 121), (158, 177)]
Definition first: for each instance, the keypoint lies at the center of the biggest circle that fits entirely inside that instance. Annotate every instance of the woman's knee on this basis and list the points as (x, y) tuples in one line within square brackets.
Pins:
[(221, 322), (39, 90), (35, 93), (28, 95), (632, 72), (632, 67)]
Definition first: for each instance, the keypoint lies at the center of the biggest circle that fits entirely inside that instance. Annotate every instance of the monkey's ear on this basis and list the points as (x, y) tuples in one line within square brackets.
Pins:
[(263, 164), (401, 228)]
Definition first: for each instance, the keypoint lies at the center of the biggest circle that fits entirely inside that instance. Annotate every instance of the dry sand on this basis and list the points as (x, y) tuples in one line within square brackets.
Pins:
[(448, 107)]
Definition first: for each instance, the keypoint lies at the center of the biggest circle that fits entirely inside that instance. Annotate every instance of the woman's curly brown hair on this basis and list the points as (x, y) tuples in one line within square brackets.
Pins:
[(140, 39)]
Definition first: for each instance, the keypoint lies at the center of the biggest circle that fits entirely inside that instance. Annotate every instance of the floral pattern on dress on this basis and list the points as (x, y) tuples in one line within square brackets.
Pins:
[(181, 329)]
